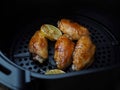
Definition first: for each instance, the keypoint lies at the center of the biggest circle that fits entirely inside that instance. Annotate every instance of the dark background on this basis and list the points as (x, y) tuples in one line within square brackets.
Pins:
[(18, 13)]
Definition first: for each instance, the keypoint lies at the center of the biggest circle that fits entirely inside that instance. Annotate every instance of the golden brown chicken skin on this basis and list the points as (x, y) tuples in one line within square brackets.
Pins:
[(63, 52), (84, 53), (73, 29), (38, 46)]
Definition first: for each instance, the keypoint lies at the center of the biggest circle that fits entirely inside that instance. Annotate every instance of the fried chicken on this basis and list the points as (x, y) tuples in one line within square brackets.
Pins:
[(83, 53), (38, 46), (73, 29), (64, 48)]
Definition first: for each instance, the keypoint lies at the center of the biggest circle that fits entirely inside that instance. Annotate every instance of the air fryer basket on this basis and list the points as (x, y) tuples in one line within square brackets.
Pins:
[(17, 65), (105, 42)]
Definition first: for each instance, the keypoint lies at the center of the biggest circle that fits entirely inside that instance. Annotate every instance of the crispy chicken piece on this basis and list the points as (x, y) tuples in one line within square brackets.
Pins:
[(84, 53), (73, 29), (63, 52), (38, 46)]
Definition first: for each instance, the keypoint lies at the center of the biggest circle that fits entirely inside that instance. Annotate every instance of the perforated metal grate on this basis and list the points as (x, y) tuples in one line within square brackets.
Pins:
[(104, 56)]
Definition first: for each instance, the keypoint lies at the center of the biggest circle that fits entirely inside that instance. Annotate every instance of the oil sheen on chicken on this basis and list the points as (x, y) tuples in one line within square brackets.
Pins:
[(83, 53), (63, 52), (38, 46), (73, 29)]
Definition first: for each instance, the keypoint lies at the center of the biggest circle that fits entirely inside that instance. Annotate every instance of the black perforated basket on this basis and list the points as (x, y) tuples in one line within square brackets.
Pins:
[(20, 66), (105, 56)]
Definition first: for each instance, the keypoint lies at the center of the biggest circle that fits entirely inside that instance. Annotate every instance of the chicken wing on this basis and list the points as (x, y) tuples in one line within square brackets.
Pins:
[(73, 29), (63, 52), (84, 53), (38, 46)]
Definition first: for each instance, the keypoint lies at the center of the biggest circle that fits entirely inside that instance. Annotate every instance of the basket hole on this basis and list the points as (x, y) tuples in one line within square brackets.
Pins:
[(92, 37), (25, 51), (27, 41), (27, 64), (39, 65), (30, 68), (109, 55), (107, 64), (96, 37), (104, 52), (101, 65), (45, 64), (49, 67), (98, 33), (99, 53), (20, 59), (21, 64), (25, 47), (24, 39), (91, 28), (98, 48), (44, 68), (96, 41), (108, 47), (100, 41), (49, 49), (108, 60), (22, 43), (98, 57), (96, 66), (25, 59), (108, 51), (94, 30), (98, 61), (101, 36), (87, 26), (104, 57), (50, 53), (103, 48), (103, 61), (35, 67), (104, 40), (20, 47), (32, 63)]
